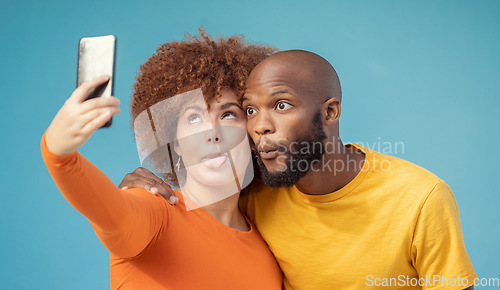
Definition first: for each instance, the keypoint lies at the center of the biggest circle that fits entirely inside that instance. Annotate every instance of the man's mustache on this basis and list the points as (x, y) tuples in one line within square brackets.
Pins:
[(282, 148)]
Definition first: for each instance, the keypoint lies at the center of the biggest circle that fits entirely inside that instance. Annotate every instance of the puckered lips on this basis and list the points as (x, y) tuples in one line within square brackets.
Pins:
[(214, 160), (267, 152)]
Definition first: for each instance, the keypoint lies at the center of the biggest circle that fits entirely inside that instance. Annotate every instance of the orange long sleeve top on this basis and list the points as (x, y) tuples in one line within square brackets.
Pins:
[(154, 245)]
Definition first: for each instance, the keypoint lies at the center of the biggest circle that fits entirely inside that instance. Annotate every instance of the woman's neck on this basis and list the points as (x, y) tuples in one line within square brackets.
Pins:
[(221, 202), (227, 212)]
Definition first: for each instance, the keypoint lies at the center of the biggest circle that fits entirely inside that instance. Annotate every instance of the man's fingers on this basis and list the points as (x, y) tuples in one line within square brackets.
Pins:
[(150, 185), (81, 93), (145, 173), (143, 178), (167, 193), (136, 183), (158, 185), (126, 180)]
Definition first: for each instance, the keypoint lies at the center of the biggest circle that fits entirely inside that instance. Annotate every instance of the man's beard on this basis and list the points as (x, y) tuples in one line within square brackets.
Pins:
[(305, 151)]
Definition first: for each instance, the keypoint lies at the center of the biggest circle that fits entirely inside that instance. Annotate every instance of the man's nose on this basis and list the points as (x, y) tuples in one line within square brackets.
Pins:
[(263, 124)]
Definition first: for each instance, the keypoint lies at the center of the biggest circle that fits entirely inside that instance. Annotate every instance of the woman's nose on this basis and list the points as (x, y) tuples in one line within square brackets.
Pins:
[(212, 136)]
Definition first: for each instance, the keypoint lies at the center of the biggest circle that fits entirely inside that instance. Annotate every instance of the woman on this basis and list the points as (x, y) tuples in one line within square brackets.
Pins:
[(203, 242)]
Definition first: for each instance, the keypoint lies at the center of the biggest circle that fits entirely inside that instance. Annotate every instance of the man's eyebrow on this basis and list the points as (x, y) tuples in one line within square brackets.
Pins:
[(278, 92), (282, 91), (228, 105)]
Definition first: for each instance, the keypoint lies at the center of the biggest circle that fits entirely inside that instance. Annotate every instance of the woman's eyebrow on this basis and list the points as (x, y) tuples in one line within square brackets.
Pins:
[(228, 105), (196, 108)]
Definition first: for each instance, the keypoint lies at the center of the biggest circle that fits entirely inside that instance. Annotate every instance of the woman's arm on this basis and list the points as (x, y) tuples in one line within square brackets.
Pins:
[(125, 221)]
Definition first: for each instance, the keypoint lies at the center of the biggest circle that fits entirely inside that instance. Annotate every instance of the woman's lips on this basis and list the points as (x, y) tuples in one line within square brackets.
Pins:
[(214, 162)]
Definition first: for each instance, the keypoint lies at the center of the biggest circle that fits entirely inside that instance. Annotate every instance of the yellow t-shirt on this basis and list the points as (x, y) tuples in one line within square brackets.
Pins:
[(394, 224)]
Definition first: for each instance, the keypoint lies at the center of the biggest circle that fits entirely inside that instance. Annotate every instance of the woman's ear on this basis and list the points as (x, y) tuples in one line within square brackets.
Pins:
[(176, 148), (331, 111)]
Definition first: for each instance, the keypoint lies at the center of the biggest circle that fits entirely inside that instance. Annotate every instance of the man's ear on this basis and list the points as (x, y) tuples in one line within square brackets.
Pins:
[(331, 111)]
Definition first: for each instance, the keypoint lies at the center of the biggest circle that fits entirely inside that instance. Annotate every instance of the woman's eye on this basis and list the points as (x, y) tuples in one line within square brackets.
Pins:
[(250, 111), (229, 115), (193, 119), (283, 106)]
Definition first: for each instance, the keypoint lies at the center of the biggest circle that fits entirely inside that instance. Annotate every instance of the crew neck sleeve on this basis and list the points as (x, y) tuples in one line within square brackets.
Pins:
[(349, 187)]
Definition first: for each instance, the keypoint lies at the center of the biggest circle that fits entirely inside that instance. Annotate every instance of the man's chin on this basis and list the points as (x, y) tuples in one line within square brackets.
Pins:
[(273, 167), (281, 179), (279, 176)]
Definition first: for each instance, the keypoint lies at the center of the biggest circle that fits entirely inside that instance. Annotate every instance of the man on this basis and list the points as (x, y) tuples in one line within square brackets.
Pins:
[(339, 216)]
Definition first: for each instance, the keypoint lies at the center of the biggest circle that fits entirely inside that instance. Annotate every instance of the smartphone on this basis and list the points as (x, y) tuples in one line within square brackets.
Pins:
[(96, 57)]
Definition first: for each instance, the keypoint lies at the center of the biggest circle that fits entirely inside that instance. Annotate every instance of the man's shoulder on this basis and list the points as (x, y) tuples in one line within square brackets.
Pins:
[(380, 162), (398, 173), (259, 189), (259, 193)]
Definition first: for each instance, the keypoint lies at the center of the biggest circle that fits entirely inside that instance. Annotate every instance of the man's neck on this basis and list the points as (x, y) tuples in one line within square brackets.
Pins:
[(334, 171)]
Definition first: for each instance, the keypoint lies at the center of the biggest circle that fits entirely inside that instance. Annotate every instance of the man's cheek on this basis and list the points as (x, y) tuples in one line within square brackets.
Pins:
[(251, 132), (281, 162)]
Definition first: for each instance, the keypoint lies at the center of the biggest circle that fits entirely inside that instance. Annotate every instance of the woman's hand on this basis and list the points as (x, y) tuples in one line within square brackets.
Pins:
[(143, 178), (78, 119)]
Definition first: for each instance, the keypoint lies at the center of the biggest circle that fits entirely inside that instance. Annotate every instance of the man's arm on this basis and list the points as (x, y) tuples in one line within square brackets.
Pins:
[(438, 248)]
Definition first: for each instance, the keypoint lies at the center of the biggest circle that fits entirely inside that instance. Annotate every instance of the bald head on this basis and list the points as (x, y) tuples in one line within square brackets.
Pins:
[(292, 100), (310, 69)]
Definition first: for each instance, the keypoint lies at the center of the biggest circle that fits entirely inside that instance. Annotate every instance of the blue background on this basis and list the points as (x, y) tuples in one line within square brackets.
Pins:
[(425, 73)]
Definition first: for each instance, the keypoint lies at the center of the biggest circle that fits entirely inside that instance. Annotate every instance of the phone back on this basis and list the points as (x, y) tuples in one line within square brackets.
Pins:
[(96, 57)]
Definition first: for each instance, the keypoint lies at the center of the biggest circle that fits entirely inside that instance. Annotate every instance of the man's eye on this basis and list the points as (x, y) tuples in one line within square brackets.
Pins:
[(193, 119), (283, 106), (250, 111)]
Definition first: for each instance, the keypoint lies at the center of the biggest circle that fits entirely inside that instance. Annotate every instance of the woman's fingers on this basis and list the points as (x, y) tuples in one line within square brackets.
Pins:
[(73, 125), (96, 123), (98, 103), (80, 94), (93, 114)]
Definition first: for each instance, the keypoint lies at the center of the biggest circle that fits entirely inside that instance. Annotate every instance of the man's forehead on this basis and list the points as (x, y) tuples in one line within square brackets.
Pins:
[(276, 68), (276, 76)]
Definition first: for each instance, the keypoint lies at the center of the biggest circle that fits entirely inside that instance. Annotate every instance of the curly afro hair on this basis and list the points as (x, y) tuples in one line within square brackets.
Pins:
[(196, 62)]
